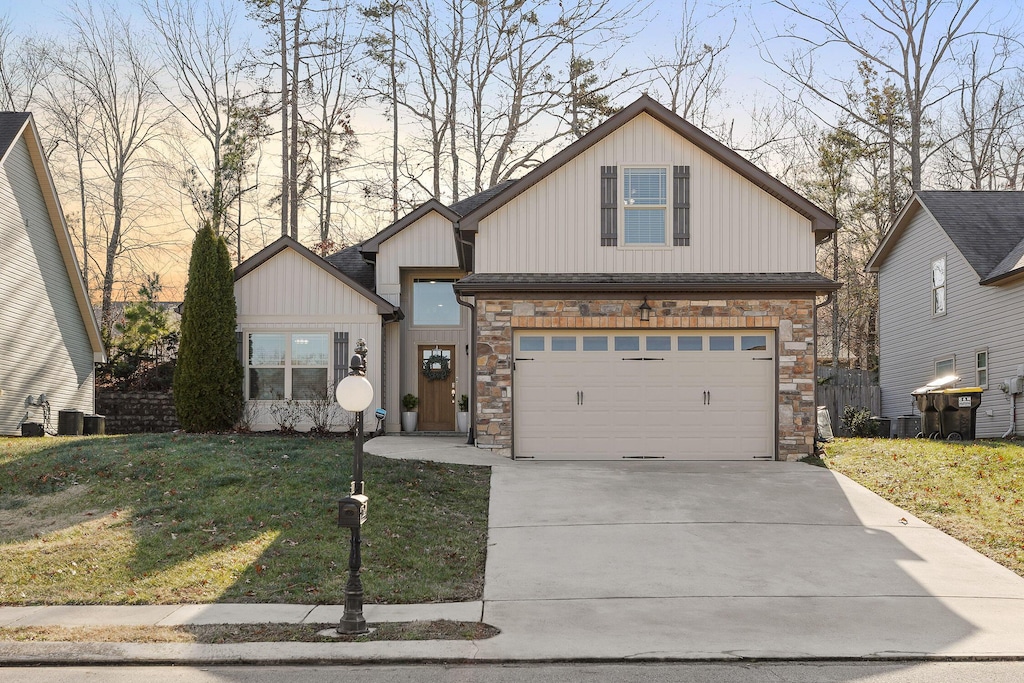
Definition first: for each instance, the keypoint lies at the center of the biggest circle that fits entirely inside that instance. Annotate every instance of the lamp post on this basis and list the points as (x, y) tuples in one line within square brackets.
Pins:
[(354, 394)]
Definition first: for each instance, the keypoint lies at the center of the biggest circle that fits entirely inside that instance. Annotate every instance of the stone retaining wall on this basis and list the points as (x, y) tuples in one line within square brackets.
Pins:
[(131, 412)]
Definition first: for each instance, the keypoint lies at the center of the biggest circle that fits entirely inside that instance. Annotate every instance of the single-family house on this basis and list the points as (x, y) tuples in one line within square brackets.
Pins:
[(49, 339), (646, 293), (951, 298)]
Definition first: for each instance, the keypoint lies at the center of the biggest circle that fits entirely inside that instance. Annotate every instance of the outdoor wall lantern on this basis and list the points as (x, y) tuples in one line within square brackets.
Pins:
[(354, 394), (645, 311)]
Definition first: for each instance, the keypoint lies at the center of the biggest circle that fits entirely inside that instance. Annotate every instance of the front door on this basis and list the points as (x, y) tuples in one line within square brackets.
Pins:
[(437, 396)]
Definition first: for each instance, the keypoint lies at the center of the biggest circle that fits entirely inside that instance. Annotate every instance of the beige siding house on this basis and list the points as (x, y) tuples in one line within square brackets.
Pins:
[(951, 295), (49, 339), (644, 294)]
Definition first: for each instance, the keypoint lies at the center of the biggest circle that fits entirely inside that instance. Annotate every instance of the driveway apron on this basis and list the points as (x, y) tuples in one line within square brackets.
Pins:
[(663, 560)]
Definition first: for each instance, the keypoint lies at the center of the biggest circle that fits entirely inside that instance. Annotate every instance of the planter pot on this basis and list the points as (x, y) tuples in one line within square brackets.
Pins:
[(409, 421), (462, 421)]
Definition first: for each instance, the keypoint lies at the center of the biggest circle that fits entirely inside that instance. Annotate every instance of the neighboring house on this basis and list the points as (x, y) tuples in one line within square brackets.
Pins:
[(951, 299), (645, 293), (49, 339)]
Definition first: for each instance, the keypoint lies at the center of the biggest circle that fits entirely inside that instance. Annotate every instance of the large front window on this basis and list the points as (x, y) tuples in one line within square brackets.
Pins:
[(644, 205), (287, 366), (434, 304)]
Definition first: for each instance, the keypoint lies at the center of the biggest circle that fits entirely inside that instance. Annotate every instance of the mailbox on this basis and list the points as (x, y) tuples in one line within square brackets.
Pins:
[(352, 511)]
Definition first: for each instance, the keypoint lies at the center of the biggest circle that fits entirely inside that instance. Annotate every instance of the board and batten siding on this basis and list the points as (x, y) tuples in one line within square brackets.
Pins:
[(554, 226), (44, 344), (427, 243), (977, 317), (289, 293)]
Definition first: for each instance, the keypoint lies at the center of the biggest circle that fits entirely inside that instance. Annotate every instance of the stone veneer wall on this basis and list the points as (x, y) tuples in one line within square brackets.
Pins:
[(131, 412), (791, 318)]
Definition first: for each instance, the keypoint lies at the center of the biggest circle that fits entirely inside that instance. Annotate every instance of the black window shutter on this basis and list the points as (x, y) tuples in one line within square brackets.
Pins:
[(239, 349), (681, 206), (340, 356), (609, 206)]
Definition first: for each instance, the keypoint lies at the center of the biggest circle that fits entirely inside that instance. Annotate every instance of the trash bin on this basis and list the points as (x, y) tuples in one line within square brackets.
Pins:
[(927, 399), (931, 425), (958, 409), (883, 427), (70, 422)]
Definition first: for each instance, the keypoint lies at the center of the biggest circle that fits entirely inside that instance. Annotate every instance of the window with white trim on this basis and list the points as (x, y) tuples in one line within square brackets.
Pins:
[(939, 286), (644, 205), (945, 366), (981, 368), (284, 366)]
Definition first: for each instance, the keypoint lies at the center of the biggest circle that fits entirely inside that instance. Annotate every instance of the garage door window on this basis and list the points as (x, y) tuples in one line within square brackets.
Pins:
[(690, 343), (563, 343), (531, 343), (659, 343), (627, 343), (595, 343), (753, 343), (716, 343)]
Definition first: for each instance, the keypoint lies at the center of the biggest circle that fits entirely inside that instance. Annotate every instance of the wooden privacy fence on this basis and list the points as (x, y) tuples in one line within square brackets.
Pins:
[(840, 388)]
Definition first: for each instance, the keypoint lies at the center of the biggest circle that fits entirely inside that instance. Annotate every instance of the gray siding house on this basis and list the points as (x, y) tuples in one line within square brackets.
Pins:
[(951, 299), (49, 339)]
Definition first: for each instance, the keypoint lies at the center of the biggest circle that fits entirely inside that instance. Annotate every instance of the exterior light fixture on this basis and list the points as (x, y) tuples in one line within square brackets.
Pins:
[(354, 394), (645, 311)]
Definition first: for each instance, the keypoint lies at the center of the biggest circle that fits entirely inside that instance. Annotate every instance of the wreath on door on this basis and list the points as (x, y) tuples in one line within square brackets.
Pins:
[(436, 367)]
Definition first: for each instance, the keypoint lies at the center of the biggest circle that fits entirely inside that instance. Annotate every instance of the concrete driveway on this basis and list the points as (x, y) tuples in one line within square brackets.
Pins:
[(707, 560)]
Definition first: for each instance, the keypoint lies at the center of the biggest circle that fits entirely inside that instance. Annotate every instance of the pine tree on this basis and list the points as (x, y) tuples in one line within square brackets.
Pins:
[(208, 377)]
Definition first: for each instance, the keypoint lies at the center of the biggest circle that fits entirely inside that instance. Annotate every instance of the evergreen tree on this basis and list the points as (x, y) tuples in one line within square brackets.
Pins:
[(208, 377)]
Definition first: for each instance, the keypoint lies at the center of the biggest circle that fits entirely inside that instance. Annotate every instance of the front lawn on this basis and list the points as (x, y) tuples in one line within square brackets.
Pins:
[(176, 518), (974, 491)]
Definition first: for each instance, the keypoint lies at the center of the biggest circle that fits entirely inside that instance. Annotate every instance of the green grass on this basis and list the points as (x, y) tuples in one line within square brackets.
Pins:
[(176, 518), (974, 491)]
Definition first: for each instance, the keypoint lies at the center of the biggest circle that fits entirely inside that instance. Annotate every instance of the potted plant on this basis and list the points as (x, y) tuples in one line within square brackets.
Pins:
[(409, 416), (462, 416)]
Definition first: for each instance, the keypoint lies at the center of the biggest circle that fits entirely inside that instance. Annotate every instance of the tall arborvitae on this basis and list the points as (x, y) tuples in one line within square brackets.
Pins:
[(208, 376)]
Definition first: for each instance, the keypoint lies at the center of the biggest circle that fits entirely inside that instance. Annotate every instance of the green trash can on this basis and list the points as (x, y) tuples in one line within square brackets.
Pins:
[(958, 410)]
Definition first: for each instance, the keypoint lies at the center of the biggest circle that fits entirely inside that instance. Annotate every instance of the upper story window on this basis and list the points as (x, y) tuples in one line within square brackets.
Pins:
[(434, 304), (644, 205), (640, 203), (939, 286)]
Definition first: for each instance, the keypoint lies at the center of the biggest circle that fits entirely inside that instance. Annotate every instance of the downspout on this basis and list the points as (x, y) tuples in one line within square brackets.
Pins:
[(826, 302), (463, 247), (471, 440), (1013, 416)]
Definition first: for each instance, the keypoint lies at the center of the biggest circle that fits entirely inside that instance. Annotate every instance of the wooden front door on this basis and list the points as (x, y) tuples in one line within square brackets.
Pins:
[(437, 396)]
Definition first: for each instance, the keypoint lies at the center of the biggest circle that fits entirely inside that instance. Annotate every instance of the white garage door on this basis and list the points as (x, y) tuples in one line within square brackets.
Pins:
[(666, 394)]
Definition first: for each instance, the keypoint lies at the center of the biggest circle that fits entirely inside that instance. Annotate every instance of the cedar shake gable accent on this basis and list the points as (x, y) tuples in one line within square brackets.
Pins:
[(649, 283), (16, 125), (822, 224), (987, 227), (384, 307)]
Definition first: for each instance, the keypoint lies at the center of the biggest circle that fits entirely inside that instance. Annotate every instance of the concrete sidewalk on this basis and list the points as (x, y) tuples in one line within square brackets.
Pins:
[(648, 561)]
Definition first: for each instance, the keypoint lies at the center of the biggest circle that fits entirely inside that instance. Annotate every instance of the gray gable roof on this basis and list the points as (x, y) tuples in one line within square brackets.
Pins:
[(11, 123), (469, 204), (986, 227), (350, 262)]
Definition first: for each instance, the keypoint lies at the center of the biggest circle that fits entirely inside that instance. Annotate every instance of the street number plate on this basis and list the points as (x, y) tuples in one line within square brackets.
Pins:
[(965, 401)]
